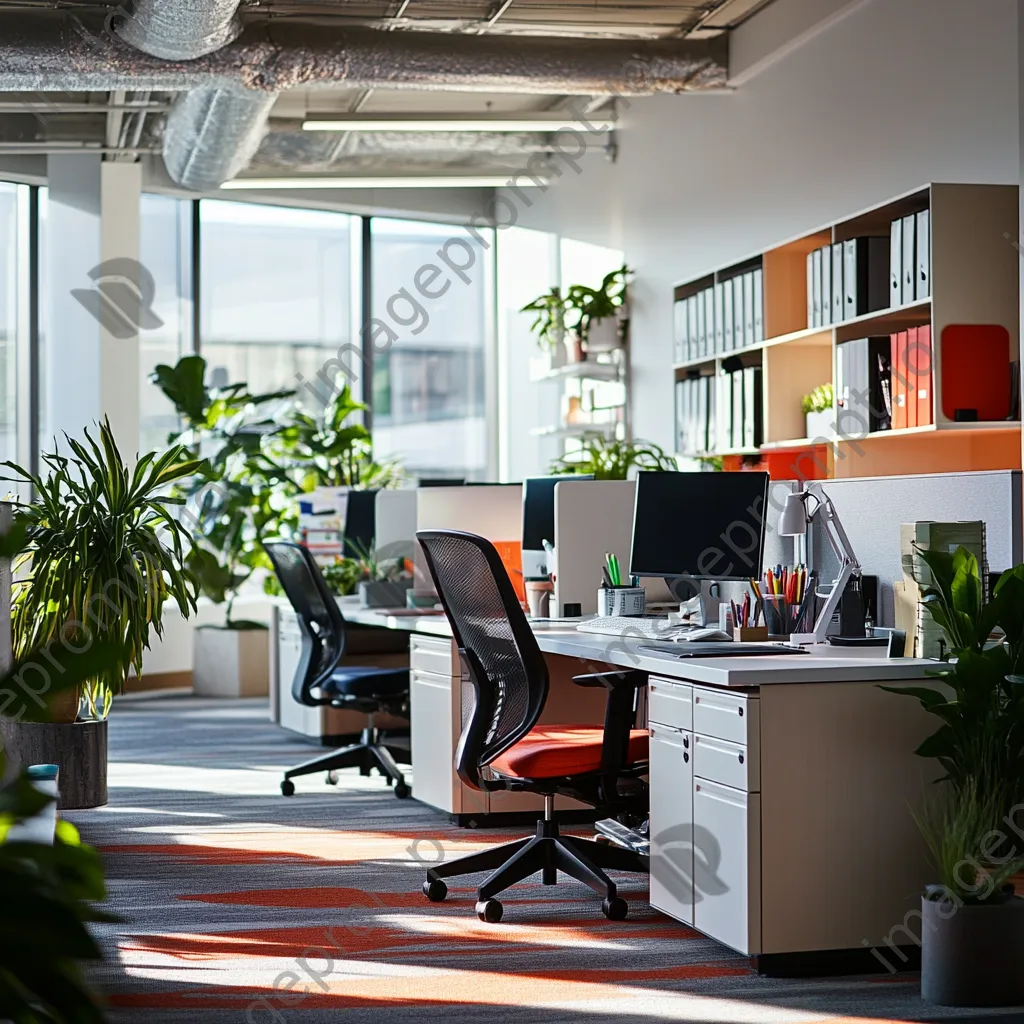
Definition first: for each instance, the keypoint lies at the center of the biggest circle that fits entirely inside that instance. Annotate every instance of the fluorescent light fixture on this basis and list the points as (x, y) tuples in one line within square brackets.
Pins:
[(446, 124), (420, 181)]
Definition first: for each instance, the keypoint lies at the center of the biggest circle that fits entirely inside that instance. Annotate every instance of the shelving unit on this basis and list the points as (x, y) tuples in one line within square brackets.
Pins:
[(974, 277), (594, 398)]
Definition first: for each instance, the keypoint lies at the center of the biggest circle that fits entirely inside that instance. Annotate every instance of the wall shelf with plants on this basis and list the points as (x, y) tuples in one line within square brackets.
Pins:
[(583, 335), (909, 310)]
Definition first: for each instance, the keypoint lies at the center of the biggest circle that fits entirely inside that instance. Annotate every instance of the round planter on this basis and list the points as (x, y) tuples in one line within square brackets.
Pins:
[(971, 955), (78, 748), (603, 335)]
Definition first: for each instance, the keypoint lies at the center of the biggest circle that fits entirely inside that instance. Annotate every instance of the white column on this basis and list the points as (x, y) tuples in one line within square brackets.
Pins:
[(92, 252)]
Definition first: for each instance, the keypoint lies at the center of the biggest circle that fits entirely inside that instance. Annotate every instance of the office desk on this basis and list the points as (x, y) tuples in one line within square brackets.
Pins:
[(781, 788)]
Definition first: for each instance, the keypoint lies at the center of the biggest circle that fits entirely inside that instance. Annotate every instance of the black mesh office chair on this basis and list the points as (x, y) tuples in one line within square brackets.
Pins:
[(502, 747), (321, 679)]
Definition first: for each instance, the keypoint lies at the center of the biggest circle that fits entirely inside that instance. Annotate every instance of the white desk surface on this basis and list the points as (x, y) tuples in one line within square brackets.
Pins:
[(826, 664)]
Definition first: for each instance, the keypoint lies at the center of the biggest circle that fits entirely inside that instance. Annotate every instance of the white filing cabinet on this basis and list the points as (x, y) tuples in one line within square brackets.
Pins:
[(705, 810)]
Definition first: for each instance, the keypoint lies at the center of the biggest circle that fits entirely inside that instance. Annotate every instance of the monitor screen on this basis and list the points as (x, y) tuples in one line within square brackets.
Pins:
[(702, 525), (539, 520), (360, 524)]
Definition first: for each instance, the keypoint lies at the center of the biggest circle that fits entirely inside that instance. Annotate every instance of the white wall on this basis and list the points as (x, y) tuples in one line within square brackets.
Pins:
[(899, 93)]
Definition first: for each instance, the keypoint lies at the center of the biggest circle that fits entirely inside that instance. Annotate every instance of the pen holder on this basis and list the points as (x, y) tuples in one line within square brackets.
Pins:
[(621, 601), (750, 634), (538, 597)]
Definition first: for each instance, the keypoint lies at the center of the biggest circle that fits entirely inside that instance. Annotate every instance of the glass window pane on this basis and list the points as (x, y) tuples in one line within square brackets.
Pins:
[(8, 321), (165, 246), (435, 370), (276, 293)]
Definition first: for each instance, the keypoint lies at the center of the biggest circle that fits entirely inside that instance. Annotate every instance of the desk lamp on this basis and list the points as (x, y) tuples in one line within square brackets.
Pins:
[(796, 515)]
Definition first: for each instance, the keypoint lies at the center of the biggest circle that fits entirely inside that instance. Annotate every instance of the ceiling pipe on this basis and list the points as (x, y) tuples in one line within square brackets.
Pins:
[(213, 132)]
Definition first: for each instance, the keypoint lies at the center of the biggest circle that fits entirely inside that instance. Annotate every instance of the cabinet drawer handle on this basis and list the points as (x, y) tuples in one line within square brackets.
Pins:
[(686, 757), (741, 759), (686, 741), (740, 710)]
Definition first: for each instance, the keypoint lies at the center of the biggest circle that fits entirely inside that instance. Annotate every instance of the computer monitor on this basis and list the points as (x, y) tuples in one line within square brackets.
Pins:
[(699, 525), (360, 524), (539, 521)]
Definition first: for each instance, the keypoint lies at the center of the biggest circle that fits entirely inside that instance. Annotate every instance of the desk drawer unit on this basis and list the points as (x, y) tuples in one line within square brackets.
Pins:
[(726, 716), (431, 654), (670, 703), (671, 794), (731, 764), (727, 865)]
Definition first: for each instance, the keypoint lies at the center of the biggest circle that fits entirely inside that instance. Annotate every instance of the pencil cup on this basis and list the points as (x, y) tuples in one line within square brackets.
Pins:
[(621, 601), (538, 596)]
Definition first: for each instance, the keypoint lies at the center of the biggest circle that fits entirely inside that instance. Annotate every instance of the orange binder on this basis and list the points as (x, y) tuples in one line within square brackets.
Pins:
[(899, 381), (909, 365), (923, 361)]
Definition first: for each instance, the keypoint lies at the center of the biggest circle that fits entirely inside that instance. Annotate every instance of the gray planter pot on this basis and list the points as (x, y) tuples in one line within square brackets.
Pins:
[(972, 955), (384, 593)]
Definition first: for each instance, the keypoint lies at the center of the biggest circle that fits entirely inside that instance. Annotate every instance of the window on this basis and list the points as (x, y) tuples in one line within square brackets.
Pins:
[(276, 293), (434, 370), (9, 321), (165, 251)]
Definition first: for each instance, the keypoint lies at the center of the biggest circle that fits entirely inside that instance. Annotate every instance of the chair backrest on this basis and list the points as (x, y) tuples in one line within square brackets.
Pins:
[(320, 619), (506, 666)]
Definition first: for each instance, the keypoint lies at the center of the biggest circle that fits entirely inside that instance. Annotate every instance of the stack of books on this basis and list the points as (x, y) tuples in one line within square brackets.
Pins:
[(911, 614)]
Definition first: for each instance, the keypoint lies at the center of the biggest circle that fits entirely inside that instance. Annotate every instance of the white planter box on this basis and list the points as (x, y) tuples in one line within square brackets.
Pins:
[(231, 662), (821, 425)]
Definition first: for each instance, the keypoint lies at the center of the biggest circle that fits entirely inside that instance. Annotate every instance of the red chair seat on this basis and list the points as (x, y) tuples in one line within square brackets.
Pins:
[(551, 751)]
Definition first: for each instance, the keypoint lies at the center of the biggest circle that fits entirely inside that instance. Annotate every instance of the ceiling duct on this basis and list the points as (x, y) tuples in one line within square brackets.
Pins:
[(180, 29), (211, 134)]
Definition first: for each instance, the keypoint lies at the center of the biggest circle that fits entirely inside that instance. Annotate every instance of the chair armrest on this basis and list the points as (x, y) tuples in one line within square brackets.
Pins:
[(631, 678)]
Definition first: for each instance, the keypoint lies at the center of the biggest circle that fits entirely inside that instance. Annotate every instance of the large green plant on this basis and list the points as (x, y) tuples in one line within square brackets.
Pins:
[(613, 460), (104, 549), (980, 739), (331, 449), (239, 495)]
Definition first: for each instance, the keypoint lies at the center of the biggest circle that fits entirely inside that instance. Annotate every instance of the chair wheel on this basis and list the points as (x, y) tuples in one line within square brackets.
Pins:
[(489, 911), (331, 778), (435, 890), (288, 787), (402, 791), (615, 909)]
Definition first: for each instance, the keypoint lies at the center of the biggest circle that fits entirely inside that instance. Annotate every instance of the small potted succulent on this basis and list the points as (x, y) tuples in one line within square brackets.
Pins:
[(385, 582), (819, 413)]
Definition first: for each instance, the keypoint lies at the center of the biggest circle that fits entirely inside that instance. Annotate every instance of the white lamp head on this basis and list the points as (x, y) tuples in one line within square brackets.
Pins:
[(793, 521)]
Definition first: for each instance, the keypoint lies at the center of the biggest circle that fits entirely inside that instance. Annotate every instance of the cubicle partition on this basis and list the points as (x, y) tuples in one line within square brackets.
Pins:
[(872, 509)]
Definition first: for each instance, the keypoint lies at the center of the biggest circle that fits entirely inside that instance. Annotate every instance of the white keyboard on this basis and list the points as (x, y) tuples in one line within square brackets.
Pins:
[(649, 629)]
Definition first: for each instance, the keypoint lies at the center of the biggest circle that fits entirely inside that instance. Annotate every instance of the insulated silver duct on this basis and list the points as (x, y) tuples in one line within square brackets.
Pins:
[(56, 51), (212, 133), (179, 29)]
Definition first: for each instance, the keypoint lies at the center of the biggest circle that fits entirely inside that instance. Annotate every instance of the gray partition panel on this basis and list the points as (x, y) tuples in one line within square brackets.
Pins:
[(873, 508)]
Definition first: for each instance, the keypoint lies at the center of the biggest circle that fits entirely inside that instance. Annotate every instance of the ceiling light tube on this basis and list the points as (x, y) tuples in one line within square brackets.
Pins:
[(406, 124), (421, 181)]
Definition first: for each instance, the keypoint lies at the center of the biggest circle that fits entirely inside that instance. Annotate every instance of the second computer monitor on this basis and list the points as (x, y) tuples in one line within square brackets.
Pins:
[(539, 521), (699, 525)]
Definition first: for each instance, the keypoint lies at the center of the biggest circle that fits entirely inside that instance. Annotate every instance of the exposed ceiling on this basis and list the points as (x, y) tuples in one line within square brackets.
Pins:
[(330, 58)]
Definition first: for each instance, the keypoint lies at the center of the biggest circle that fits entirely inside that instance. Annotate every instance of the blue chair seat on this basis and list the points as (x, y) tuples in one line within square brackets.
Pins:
[(364, 681)]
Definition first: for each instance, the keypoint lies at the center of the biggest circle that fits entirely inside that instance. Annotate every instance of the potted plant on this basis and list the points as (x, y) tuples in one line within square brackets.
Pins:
[(973, 924), (549, 326), (238, 497), (599, 316), (819, 412), (613, 460), (102, 553), (384, 583)]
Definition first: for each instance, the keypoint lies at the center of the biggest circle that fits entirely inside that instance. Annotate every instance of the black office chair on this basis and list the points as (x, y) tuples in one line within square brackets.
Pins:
[(502, 747), (321, 679)]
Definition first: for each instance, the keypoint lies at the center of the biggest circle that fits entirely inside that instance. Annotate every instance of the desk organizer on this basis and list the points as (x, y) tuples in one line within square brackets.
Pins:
[(621, 601), (750, 634)]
